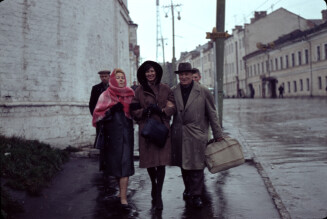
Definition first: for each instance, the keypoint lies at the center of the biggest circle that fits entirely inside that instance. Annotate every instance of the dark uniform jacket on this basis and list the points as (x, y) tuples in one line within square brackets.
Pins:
[(95, 94)]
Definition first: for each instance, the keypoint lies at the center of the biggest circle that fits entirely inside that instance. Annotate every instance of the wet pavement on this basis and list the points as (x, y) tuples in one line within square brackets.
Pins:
[(285, 144), (80, 191), (288, 138)]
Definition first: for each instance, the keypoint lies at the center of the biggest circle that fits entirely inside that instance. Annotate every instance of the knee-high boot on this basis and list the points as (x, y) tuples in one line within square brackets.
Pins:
[(153, 176), (161, 171)]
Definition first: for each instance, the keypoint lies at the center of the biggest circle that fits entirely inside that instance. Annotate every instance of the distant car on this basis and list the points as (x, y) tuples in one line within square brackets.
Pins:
[(212, 90)]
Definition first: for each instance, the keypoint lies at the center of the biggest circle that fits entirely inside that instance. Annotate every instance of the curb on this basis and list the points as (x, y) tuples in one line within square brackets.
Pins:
[(284, 214)]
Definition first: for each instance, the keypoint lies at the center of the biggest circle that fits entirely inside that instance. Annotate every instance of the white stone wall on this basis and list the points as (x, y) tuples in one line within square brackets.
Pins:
[(50, 53)]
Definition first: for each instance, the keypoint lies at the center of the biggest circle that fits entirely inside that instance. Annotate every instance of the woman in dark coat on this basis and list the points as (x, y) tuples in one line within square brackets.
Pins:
[(157, 100), (112, 113)]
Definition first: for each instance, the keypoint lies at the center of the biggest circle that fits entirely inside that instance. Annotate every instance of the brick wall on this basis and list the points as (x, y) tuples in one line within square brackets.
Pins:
[(50, 52)]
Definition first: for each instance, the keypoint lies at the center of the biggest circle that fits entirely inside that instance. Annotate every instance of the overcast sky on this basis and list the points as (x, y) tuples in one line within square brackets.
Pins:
[(199, 17)]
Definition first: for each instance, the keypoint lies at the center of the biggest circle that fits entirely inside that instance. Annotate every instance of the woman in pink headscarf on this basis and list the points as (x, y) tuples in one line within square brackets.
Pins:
[(112, 116)]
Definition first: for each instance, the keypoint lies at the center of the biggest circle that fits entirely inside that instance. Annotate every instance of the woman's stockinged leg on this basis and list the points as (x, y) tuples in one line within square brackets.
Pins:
[(118, 181), (153, 177), (123, 183), (161, 172)]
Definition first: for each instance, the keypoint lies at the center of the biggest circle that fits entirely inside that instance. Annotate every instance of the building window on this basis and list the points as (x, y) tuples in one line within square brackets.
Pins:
[(289, 87), (286, 59), (258, 69), (250, 70), (271, 65), (318, 53), (255, 69), (294, 84), (306, 56), (301, 85), (300, 57), (319, 83), (263, 67), (308, 84), (293, 59), (281, 62), (276, 64), (325, 51), (267, 66)]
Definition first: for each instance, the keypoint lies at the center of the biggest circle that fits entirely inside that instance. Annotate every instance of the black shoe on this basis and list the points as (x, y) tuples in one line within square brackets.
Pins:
[(153, 195), (186, 195), (126, 207), (197, 202), (159, 204)]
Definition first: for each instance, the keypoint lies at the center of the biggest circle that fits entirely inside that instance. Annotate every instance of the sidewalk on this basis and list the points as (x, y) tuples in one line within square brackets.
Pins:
[(283, 169), (80, 191)]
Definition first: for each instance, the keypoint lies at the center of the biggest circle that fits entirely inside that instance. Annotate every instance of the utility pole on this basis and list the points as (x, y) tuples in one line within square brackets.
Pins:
[(159, 34), (218, 34), (172, 6), (220, 26)]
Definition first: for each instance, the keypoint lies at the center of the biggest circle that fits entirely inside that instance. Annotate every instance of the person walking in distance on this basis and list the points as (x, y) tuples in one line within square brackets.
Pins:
[(195, 110), (281, 91), (156, 100), (134, 86)]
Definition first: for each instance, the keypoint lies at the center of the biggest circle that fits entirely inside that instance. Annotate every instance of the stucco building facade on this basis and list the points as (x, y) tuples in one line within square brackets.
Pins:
[(297, 62), (256, 55)]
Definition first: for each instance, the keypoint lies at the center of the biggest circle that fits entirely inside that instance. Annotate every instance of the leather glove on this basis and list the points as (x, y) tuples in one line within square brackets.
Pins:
[(146, 112), (155, 109), (117, 107), (219, 139)]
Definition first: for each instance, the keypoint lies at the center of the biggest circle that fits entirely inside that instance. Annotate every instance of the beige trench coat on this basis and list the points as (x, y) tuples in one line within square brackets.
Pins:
[(190, 127), (150, 154)]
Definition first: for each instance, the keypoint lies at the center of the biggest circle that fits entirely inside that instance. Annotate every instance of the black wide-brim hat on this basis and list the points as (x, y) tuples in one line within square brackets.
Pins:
[(185, 67), (141, 71)]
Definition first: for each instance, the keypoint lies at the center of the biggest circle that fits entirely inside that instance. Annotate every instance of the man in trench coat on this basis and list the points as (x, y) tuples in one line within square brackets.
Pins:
[(195, 110)]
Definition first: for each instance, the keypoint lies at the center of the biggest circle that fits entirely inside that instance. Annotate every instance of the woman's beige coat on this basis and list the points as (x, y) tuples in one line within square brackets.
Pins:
[(190, 127)]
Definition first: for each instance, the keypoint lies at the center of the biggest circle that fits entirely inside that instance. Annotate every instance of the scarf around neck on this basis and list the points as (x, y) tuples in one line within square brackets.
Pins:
[(112, 96)]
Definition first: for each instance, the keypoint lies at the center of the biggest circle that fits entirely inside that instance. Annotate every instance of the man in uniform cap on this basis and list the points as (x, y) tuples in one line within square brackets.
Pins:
[(95, 94), (98, 89)]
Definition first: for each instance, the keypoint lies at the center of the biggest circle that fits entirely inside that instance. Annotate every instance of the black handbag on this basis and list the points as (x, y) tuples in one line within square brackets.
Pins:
[(156, 132), (100, 140)]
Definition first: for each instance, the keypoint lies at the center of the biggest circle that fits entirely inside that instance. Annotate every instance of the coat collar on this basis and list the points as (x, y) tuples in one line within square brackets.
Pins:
[(195, 92)]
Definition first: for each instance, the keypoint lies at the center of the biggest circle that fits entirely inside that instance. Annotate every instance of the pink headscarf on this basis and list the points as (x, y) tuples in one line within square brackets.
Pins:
[(112, 96)]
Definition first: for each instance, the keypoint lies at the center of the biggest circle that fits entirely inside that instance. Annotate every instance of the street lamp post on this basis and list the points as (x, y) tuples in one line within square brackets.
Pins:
[(173, 61)]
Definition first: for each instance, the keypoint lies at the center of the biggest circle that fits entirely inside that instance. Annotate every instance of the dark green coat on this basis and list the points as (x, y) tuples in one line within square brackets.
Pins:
[(119, 146)]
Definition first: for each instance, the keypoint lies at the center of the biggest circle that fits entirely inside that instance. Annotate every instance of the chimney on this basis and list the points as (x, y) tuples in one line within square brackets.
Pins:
[(258, 15), (324, 15)]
